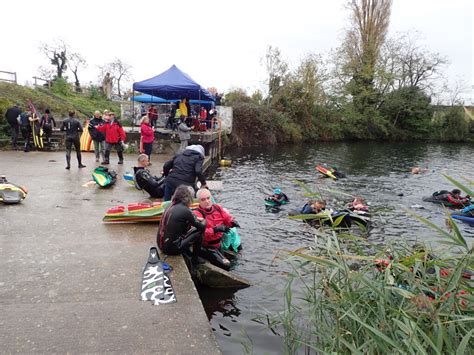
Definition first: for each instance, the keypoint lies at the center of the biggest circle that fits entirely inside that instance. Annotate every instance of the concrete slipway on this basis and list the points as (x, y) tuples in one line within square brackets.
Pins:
[(69, 283)]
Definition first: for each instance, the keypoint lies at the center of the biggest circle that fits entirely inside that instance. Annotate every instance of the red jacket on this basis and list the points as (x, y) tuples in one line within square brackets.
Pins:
[(461, 202), (114, 133), (214, 217), (148, 134)]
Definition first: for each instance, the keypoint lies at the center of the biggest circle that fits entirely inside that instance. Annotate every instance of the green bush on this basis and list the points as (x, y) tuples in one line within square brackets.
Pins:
[(451, 125), (408, 109), (61, 86)]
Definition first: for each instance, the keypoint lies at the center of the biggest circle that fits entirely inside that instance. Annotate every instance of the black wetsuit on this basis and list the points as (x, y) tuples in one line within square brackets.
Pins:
[(178, 229), (48, 122), (151, 184), (72, 126), (12, 118)]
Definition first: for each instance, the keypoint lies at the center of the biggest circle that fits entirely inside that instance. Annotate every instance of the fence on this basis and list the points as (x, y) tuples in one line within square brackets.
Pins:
[(12, 76)]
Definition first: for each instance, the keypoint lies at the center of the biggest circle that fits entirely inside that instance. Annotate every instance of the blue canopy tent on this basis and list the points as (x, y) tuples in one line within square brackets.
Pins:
[(173, 84), (150, 99)]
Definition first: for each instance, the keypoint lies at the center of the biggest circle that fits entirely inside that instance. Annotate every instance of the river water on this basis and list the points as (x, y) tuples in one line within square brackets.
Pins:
[(376, 171)]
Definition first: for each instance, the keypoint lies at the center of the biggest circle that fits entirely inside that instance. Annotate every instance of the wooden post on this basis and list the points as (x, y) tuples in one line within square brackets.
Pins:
[(219, 138)]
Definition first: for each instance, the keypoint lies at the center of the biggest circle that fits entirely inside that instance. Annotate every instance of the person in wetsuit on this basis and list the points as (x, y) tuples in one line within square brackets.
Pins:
[(145, 181), (218, 222), (179, 227), (47, 123), (278, 197), (455, 199), (73, 127), (313, 207)]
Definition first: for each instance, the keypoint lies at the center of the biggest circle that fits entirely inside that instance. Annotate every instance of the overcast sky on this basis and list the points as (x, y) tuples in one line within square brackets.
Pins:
[(218, 43)]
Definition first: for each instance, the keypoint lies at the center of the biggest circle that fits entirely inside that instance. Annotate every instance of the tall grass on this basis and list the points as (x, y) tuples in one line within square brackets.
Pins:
[(400, 299)]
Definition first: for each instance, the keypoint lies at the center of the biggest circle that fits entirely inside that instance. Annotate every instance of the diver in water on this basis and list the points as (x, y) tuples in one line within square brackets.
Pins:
[(337, 173), (358, 205), (179, 227), (278, 197), (313, 207), (145, 181)]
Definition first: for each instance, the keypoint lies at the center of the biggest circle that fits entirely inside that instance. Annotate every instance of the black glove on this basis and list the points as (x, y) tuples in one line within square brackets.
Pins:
[(221, 228), (235, 224)]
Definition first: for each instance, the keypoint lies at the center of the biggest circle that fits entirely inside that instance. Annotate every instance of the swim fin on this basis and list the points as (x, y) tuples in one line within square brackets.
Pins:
[(156, 285)]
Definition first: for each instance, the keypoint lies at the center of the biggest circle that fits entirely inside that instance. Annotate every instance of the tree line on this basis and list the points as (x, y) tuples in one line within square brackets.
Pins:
[(372, 86)]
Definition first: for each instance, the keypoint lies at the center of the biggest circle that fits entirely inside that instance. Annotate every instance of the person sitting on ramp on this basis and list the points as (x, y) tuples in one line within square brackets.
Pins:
[(179, 227), (218, 222), (144, 180)]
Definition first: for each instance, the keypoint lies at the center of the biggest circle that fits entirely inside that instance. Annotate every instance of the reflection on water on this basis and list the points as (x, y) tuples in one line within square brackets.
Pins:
[(378, 171)]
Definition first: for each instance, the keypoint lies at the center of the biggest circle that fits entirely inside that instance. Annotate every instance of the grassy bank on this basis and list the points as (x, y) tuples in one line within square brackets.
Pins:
[(59, 99)]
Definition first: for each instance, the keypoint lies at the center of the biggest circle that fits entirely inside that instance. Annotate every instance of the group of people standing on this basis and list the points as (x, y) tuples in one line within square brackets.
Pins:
[(106, 133), (27, 121)]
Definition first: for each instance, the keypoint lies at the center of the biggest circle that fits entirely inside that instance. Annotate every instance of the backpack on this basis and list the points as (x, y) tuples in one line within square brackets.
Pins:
[(103, 177)]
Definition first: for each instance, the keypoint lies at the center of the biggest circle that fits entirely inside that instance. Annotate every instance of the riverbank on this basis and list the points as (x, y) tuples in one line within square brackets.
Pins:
[(69, 283), (257, 124)]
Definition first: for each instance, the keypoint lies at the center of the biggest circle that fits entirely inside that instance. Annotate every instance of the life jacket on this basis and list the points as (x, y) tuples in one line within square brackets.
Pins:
[(103, 177)]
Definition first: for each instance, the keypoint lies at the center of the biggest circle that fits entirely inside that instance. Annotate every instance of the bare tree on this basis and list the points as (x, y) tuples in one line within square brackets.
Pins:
[(57, 53), (46, 73), (418, 67), (76, 61), (119, 70)]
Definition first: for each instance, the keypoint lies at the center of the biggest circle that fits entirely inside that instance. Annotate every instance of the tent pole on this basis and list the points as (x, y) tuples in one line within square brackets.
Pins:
[(133, 109)]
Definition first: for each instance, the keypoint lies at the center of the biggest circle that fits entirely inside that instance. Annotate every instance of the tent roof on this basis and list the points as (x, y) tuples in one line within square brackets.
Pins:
[(173, 84), (145, 98)]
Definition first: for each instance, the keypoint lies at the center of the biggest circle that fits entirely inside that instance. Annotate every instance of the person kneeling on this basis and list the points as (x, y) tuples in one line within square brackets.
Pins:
[(218, 222), (179, 227), (145, 181)]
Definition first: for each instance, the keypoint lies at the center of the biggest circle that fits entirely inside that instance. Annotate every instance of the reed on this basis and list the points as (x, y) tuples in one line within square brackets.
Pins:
[(349, 296)]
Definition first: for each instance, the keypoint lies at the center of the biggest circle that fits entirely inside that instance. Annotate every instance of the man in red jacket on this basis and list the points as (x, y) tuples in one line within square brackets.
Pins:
[(218, 221), (114, 137)]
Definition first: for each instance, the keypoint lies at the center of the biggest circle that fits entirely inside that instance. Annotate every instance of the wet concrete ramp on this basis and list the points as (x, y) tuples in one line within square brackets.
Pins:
[(70, 283)]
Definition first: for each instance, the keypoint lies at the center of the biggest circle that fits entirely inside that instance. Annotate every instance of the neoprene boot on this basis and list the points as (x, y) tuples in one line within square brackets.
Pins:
[(120, 155), (106, 157)]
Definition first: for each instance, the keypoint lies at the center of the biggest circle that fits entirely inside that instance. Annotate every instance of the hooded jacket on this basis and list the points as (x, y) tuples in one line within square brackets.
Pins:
[(148, 134), (184, 132), (114, 133), (186, 166)]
